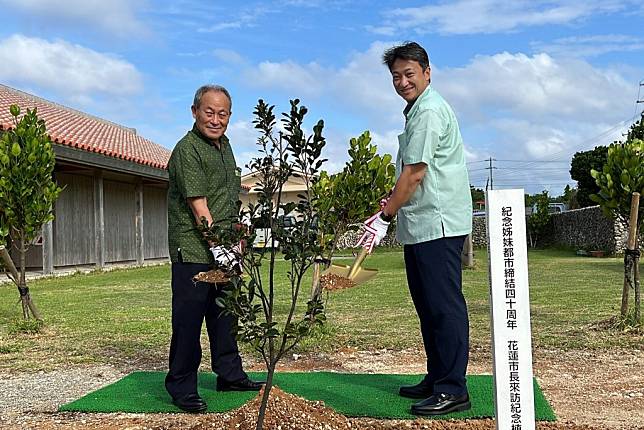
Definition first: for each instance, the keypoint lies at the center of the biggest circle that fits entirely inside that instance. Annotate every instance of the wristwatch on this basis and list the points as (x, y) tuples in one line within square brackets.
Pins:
[(385, 217)]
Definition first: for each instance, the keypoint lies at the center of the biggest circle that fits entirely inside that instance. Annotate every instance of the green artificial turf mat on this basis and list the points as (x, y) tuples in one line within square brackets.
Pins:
[(353, 395)]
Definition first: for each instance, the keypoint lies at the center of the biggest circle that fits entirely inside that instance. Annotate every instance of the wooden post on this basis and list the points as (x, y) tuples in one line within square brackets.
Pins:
[(99, 220), (636, 282), (48, 248), (315, 286), (140, 250), (630, 245), (468, 252)]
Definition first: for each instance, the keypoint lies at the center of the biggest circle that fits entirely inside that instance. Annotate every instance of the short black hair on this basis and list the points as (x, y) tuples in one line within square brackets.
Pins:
[(407, 51)]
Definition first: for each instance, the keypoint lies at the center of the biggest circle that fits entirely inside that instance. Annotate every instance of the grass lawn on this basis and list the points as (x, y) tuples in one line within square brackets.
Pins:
[(124, 315)]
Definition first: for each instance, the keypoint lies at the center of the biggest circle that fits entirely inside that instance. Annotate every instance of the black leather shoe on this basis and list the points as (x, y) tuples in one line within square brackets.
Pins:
[(418, 391), (438, 404), (242, 385), (190, 403)]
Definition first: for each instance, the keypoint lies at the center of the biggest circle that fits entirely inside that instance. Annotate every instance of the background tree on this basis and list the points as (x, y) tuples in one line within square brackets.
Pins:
[(539, 220), (569, 197), (478, 195), (352, 195), (580, 167), (637, 129), (252, 300), (27, 193), (619, 178)]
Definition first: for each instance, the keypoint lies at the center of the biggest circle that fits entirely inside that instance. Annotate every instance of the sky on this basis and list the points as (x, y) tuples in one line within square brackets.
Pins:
[(531, 82)]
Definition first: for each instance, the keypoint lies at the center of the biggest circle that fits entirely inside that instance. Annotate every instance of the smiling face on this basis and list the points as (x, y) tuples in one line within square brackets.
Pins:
[(212, 115), (409, 79)]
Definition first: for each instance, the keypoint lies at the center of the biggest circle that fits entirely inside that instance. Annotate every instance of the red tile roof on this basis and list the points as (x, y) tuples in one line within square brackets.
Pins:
[(73, 128)]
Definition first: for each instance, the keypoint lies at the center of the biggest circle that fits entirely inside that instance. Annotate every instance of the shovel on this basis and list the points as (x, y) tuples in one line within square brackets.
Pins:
[(355, 273)]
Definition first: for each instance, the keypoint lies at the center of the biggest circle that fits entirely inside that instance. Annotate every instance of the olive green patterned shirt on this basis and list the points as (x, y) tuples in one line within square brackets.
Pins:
[(197, 168)]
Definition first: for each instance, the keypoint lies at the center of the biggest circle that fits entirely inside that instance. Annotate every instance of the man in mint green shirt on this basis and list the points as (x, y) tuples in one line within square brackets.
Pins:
[(434, 207)]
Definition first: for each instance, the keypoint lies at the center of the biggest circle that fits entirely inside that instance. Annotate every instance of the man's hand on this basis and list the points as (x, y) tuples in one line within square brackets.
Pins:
[(228, 259), (375, 230)]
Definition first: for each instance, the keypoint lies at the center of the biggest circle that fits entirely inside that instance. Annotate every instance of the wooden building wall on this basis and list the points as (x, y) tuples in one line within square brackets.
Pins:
[(155, 222), (73, 226), (119, 208), (74, 234)]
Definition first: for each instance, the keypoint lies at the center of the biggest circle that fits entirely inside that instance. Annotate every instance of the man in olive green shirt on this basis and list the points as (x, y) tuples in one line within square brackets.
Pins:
[(204, 183), (433, 202)]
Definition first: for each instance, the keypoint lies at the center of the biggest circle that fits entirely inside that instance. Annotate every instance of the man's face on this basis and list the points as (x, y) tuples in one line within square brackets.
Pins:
[(409, 79), (212, 115)]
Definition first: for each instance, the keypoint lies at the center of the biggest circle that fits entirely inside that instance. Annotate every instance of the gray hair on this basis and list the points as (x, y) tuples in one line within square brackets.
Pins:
[(205, 88)]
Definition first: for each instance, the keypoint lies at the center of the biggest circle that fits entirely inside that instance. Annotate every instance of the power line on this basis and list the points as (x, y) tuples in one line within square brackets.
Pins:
[(531, 161)]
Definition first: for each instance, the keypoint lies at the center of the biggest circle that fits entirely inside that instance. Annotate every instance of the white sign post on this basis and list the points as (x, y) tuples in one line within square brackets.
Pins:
[(510, 310)]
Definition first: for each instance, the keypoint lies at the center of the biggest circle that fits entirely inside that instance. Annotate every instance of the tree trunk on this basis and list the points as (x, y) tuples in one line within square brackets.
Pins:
[(267, 390), (25, 298)]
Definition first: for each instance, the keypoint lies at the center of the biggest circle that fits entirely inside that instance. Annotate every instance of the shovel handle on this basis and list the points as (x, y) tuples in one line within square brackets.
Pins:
[(357, 262)]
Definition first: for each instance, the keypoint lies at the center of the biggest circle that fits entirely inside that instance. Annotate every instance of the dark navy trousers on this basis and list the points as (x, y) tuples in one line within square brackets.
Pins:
[(191, 304), (435, 283)]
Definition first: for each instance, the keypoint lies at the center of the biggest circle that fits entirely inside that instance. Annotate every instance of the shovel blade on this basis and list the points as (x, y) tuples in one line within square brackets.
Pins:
[(363, 275), (338, 270), (360, 276)]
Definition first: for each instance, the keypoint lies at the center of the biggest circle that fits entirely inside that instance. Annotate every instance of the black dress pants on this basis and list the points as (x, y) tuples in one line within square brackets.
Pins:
[(192, 302), (434, 278)]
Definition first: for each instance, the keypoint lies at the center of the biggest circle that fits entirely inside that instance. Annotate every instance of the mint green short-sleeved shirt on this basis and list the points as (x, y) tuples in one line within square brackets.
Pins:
[(441, 206)]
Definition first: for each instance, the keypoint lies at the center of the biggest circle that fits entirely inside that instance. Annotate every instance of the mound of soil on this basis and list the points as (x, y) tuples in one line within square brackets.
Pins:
[(212, 277), (287, 412), (332, 282)]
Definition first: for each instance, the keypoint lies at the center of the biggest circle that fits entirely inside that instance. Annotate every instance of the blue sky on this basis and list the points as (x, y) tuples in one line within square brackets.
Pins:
[(531, 82)]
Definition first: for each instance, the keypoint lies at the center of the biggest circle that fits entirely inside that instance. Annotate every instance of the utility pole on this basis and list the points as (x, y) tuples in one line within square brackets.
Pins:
[(490, 169)]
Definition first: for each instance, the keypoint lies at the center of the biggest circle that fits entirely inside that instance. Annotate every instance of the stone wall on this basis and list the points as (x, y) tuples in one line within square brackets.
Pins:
[(479, 233), (585, 228)]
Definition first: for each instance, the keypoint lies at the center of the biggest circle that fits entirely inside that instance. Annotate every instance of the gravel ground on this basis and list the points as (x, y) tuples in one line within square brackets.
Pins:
[(588, 390), (45, 391)]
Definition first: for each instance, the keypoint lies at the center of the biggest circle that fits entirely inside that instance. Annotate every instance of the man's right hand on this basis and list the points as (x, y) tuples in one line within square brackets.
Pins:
[(375, 230), (227, 259)]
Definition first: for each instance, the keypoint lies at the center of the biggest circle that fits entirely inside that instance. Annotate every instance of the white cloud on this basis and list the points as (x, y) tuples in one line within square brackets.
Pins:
[(247, 17), (118, 17), (362, 87), (73, 71), (509, 105), (540, 88), (228, 56), (383, 30), (308, 80), (493, 16), (590, 46), (221, 26)]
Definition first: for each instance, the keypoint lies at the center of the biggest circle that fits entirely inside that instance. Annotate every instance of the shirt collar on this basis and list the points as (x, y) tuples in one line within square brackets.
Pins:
[(409, 109)]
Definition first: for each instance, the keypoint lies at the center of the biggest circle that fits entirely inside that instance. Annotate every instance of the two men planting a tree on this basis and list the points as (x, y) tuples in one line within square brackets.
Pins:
[(431, 200), (433, 205)]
